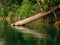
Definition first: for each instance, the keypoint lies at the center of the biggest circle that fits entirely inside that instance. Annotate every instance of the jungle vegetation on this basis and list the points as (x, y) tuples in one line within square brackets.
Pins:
[(27, 8)]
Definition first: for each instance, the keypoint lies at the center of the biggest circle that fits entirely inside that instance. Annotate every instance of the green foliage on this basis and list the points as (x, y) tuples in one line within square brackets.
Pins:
[(25, 8), (2, 12), (9, 5), (47, 4)]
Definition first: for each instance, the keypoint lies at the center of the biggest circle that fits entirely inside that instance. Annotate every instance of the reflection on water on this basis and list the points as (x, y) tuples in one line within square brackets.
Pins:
[(29, 31), (10, 36)]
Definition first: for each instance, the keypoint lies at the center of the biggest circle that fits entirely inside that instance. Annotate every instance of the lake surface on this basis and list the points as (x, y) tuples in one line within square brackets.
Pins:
[(10, 35)]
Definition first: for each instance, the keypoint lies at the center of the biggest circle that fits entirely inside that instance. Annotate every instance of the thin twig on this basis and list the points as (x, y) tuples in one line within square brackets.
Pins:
[(40, 5)]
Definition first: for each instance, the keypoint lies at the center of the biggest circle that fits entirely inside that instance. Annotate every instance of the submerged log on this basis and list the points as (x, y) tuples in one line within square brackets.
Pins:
[(27, 20), (29, 31)]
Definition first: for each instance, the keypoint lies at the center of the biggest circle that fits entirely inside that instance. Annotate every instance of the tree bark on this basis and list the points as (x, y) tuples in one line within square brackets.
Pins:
[(27, 20)]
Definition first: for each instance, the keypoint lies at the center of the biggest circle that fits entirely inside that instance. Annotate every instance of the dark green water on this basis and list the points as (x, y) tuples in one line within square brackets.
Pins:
[(10, 36)]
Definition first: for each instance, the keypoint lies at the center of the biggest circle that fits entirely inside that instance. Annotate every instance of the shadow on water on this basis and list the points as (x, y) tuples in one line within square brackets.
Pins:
[(11, 36)]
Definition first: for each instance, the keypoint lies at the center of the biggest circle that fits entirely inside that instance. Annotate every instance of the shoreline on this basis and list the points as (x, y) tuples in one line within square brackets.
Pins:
[(9, 18)]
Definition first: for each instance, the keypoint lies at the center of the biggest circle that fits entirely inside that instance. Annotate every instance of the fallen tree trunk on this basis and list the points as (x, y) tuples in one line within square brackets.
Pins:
[(27, 20), (29, 31)]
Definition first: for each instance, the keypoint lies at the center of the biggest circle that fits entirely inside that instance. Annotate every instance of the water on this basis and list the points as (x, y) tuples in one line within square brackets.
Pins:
[(10, 35)]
